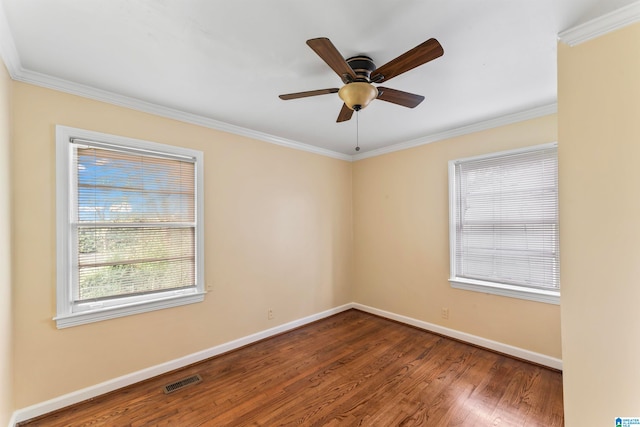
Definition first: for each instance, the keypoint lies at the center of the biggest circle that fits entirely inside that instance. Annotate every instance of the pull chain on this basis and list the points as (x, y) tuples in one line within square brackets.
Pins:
[(357, 131)]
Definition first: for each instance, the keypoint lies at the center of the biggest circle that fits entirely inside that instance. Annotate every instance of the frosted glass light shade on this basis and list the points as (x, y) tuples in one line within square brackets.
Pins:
[(358, 95)]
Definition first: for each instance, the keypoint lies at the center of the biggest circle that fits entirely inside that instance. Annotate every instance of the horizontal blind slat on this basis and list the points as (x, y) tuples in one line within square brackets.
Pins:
[(507, 219), (153, 197)]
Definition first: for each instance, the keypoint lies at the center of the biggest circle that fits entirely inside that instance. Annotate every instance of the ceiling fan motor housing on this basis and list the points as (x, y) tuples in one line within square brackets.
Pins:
[(358, 93), (363, 66)]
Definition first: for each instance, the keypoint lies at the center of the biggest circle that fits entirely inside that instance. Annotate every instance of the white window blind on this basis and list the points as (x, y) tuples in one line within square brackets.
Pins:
[(135, 223), (505, 219), (130, 237)]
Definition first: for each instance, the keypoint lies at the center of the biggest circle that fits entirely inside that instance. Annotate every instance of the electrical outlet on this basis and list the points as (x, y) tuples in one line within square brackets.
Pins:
[(444, 312), (270, 314)]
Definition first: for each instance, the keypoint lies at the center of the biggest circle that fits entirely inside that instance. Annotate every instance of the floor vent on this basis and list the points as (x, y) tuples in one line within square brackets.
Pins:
[(170, 388)]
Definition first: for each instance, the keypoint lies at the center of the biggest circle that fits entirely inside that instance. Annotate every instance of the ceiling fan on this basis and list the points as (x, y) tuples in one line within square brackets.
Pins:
[(359, 72)]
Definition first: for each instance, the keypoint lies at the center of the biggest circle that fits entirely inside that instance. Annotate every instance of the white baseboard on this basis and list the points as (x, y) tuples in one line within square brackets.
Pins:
[(144, 374), (510, 350)]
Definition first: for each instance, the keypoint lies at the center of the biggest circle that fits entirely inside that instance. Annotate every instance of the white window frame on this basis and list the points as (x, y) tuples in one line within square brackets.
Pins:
[(73, 314), (549, 296)]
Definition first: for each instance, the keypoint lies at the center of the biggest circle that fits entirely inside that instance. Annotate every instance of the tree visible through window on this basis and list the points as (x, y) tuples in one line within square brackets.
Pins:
[(131, 226), (136, 222)]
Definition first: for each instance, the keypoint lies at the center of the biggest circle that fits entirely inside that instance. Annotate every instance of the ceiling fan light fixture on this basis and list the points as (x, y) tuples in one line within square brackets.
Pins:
[(358, 95)]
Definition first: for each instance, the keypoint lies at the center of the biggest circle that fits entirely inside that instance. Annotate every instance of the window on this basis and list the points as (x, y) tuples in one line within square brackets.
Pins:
[(129, 226), (503, 223)]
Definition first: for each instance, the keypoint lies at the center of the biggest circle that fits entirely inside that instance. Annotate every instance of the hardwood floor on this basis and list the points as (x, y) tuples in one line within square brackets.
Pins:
[(352, 369)]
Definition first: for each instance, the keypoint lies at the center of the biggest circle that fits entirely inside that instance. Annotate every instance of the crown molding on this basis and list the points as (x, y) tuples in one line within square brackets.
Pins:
[(8, 51), (66, 86), (594, 28), (11, 59), (504, 120), (601, 25), (10, 56)]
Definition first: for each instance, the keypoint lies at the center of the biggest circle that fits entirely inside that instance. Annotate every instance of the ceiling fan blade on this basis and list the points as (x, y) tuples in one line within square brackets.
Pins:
[(308, 93), (345, 114), (421, 54), (399, 97), (329, 54)]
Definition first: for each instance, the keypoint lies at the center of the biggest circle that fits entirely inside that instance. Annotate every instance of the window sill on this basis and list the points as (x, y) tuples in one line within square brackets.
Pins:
[(90, 316), (538, 295)]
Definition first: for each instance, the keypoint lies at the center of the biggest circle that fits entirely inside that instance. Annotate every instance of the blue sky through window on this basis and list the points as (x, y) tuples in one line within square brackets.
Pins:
[(122, 187)]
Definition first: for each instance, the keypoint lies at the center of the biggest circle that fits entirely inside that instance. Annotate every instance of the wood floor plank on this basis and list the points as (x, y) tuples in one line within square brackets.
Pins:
[(352, 369)]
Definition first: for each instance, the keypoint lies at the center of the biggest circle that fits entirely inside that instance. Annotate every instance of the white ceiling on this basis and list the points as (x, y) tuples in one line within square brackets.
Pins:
[(227, 61)]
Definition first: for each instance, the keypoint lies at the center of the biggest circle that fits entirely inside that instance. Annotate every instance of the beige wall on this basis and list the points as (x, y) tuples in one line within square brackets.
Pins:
[(278, 235), (278, 227), (401, 241), (6, 310), (599, 155)]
